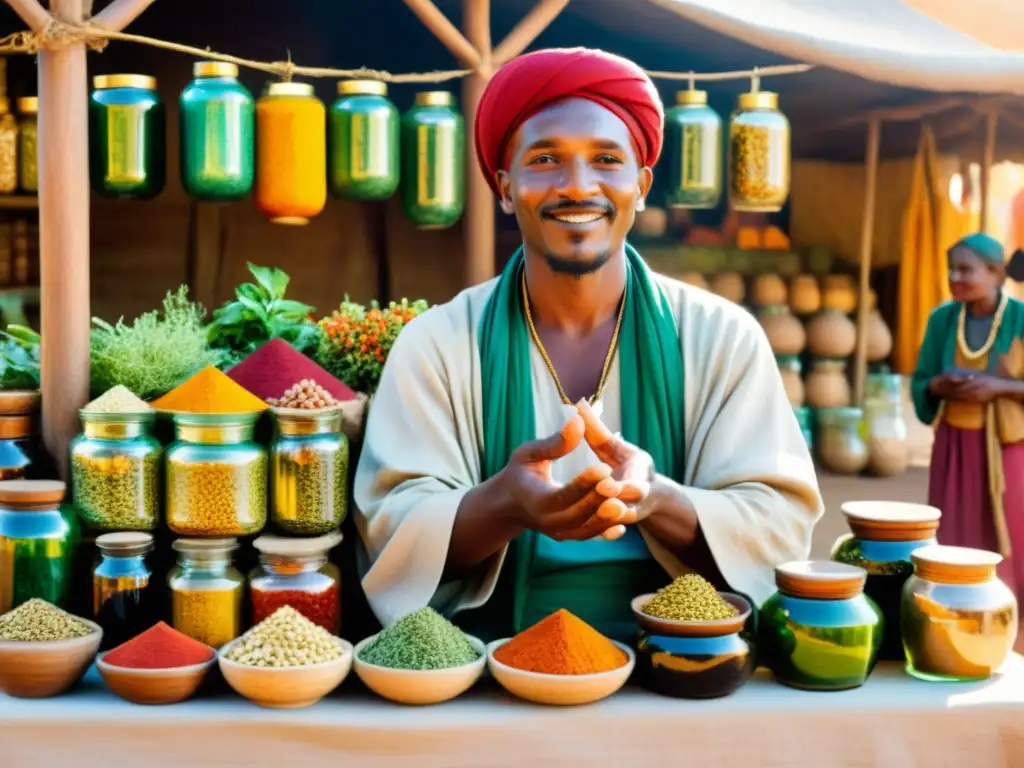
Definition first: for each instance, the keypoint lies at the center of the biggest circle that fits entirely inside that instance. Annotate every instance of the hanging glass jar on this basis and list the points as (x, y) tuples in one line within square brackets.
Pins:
[(122, 601), (36, 543), (842, 447), (296, 572), (28, 132), (127, 144), (115, 472), (363, 140), (291, 153), (693, 152), (433, 161), (758, 154), (206, 591), (216, 476), (8, 149), (217, 116)]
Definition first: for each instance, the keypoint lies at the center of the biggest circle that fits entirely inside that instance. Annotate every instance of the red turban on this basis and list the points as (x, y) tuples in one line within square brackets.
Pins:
[(527, 84)]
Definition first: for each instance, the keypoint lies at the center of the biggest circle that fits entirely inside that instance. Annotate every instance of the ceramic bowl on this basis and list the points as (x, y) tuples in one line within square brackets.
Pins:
[(40, 670), (416, 686), (155, 686), (559, 690), (286, 687)]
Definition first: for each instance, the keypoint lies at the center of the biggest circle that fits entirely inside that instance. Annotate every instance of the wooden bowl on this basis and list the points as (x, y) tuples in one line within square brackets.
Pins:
[(559, 690), (420, 686), (716, 628), (19, 402), (39, 670), (286, 687), (155, 686)]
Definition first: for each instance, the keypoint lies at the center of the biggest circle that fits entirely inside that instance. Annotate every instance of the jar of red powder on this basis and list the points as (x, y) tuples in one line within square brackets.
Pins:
[(296, 572)]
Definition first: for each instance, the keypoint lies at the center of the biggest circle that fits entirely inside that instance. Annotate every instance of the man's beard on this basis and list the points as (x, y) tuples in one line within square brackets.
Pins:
[(574, 267)]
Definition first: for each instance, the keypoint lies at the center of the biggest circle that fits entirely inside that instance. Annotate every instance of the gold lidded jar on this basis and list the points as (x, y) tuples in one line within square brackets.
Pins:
[(958, 620), (826, 385), (693, 151), (206, 591), (841, 445), (790, 369), (759, 154), (784, 331), (8, 149)]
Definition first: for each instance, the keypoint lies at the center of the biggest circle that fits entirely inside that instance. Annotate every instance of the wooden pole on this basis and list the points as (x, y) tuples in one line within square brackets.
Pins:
[(120, 13), (64, 235), (479, 216), (988, 155), (867, 231), (527, 30), (463, 50), (32, 13)]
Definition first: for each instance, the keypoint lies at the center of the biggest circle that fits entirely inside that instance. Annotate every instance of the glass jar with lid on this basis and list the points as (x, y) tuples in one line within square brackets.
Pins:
[(206, 590), (842, 447), (308, 470), (758, 154), (888, 448), (36, 543), (127, 144), (216, 476), (22, 455), (363, 136), (28, 131), (122, 601), (115, 471), (693, 152), (8, 149), (297, 573)]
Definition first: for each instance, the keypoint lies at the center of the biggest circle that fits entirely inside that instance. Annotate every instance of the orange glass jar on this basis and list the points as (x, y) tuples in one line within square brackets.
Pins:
[(291, 153)]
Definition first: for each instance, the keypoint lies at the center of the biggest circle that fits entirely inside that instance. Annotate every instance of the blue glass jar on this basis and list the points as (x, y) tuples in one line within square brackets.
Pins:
[(819, 632), (883, 534), (693, 659), (123, 603)]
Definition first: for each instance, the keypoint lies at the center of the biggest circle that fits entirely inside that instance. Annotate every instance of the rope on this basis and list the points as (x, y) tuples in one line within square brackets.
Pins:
[(59, 34)]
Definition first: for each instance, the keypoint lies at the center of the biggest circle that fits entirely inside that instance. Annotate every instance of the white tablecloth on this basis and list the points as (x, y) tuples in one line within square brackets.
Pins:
[(892, 721)]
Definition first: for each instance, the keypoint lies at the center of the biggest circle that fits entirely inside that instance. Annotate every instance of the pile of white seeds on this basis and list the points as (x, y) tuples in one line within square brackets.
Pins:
[(285, 638)]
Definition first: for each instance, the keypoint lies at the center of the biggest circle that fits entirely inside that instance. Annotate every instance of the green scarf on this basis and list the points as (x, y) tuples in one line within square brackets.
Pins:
[(651, 376)]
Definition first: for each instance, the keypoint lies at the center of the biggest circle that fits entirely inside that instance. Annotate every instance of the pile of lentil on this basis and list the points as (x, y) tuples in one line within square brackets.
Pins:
[(422, 640), (307, 395), (286, 638), (118, 399), (689, 598), (561, 644), (37, 621)]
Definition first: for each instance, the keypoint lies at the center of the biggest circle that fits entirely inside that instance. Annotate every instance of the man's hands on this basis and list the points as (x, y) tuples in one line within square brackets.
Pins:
[(973, 387)]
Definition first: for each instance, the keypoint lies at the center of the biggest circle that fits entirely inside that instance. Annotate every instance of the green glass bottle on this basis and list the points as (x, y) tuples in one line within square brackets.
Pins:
[(433, 161), (363, 142), (693, 152), (217, 116), (127, 147)]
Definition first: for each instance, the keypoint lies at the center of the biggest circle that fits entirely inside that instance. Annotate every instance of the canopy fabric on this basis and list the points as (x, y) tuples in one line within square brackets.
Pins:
[(883, 40)]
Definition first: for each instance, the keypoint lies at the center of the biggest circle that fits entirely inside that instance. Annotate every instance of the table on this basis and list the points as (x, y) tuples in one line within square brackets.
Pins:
[(892, 721)]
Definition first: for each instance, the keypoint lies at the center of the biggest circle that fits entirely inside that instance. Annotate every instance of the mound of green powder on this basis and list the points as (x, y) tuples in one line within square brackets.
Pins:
[(422, 640)]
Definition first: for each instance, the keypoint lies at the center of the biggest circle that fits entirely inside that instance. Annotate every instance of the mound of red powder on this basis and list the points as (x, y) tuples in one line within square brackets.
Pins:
[(159, 647), (277, 365)]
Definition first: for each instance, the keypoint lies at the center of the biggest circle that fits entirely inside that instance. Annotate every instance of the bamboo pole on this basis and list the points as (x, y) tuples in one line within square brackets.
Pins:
[(461, 48), (988, 154), (867, 231), (479, 216), (120, 13), (32, 13), (64, 236), (527, 30)]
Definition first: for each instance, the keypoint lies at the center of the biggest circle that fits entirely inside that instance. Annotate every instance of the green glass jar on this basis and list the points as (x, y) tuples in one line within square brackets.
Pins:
[(127, 137), (216, 476), (363, 138), (218, 127), (693, 152), (308, 471), (759, 154), (115, 472), (433, 161), (36, 543), (28, 133), (819, 632)]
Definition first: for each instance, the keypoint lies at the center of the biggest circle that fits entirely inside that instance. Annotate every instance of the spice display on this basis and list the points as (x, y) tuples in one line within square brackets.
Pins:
[(8, 149), (296, 572), (209, 391), (37, 621), (422, 640), (285, 639), (758, 154), (122, 602), (274, 368), (561, 644), (118, 399), (842, 447), (306, 394), (693, 149), (36, 543), (433, 152), (364, 139), (28, 133), (217, 134), (689, 598), (206, 591), (159, 647), (127, 137)]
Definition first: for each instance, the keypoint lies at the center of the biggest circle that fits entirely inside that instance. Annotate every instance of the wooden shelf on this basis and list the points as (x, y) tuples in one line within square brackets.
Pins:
[(19, 202)]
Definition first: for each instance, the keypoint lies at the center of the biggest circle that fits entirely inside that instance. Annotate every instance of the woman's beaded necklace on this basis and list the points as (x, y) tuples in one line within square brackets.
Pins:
[(961, 330)]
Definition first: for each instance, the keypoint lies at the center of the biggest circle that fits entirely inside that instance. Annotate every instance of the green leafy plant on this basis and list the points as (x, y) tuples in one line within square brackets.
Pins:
[(260, 312), (155, 353), (19, 358)]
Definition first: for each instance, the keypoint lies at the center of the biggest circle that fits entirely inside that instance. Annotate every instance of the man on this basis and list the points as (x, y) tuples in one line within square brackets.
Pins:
[(494, 430)]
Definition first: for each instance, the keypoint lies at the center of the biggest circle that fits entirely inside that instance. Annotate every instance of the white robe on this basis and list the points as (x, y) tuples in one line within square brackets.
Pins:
[(748, 472)]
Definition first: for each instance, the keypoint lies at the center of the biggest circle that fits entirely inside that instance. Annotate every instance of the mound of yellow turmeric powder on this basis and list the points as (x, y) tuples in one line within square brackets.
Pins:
[(561, 644), (209, 391)]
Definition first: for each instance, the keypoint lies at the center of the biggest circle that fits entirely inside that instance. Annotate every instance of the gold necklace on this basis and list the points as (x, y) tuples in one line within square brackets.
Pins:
[(547, 360), (961, 330)]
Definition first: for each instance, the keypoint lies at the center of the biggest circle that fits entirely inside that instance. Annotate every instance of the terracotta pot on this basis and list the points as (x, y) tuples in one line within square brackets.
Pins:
[(729, 285), (841, 446), (785, 333), (651, 222), (840, 294), (805, 295), (879, 338), (827, 386), (792, 382), (831, 334), (769, 291), (695, 279)]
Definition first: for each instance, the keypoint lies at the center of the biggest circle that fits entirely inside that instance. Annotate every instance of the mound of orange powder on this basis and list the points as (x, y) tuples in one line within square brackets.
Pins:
[(561, 644)]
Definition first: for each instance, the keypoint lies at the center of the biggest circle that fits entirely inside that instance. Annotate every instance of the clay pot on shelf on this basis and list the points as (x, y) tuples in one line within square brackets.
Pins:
[(841, 445), (785, 333), (804, 295), (879, 338), (651, 223), (729, 285), (831, 334), (790, 369), (827, 386), (840, 294), (769, 291), (695, 279)]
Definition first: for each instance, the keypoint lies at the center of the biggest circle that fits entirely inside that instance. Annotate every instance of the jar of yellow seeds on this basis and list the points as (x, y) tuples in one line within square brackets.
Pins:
[(28, 132), (8, 149), (206, 591), (216, 476), (758, 154)]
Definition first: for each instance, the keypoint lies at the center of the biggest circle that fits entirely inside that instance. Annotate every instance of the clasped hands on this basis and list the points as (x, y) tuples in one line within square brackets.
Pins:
[(599, 502), (969, 387)]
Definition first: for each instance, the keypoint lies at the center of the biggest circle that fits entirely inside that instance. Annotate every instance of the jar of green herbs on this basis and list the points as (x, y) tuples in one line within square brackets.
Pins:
[(308, 470), (36, 543)]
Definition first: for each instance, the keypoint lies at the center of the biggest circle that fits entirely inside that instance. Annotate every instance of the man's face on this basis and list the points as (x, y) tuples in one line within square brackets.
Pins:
[(574, 183)]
